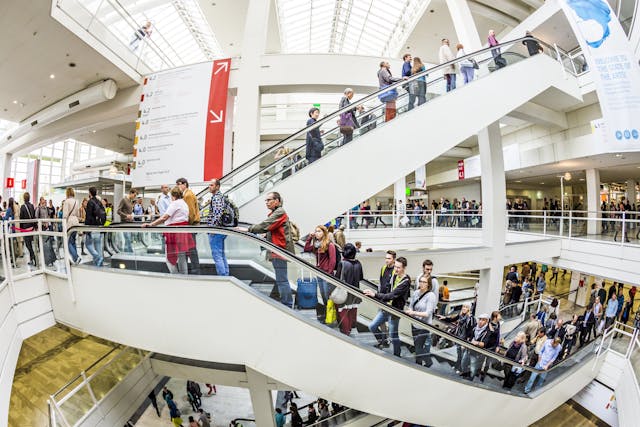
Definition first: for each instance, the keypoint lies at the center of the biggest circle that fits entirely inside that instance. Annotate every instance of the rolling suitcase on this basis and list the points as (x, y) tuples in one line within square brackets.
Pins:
[(307, 294)]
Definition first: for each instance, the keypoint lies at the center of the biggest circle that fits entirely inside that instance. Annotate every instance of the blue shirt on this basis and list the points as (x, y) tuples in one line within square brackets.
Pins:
[(548, 354), (163, 203), (280, 420), (612, 308), (406, 69), (541, 285)]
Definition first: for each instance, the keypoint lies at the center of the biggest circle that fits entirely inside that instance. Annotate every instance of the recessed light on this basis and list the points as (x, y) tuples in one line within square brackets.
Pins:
[(581, 179), (542, 183), (518, 181), (52, 76), (15, 102), (618, 155), (93, 131)]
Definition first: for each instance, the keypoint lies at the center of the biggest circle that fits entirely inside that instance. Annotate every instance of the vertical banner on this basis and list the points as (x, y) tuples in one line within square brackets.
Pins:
[(31, 185), (214, 143), (421, 177), (10, 183), (460, 169), (180, 125), (615, 71)]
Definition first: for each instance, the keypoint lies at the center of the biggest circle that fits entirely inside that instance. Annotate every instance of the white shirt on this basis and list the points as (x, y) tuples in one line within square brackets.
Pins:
[(178, 211)]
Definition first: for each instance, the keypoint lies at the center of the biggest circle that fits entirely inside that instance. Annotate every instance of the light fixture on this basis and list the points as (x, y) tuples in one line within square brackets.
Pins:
[(618, 154), (518, 181), (567, 176), (542, 183), (15, 101), (93, 131), (581, 179), (52, 76)]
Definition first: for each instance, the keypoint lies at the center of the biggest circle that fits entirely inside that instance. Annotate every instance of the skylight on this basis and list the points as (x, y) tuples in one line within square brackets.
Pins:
[(360, 27), (180, 34)]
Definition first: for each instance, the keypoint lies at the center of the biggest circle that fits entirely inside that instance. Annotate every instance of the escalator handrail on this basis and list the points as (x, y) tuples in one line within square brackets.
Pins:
[(321, 274), (371, 97)]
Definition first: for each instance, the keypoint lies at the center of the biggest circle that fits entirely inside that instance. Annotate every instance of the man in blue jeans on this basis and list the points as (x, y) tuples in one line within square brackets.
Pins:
[(548, 355), (397, 298), (216, 241), (277, 230)]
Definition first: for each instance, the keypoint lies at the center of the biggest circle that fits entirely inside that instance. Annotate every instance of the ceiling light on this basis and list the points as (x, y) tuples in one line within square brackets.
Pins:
[(518, 181), (581, 179), (52, 76), (15, 102), (618, 155), (542, 183), (93, 131), (567, 176)]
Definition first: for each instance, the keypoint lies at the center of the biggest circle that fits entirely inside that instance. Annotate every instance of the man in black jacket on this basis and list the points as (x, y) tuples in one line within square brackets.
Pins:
[(464, 325), (95, 217), (483, 337), (314, 144), (397, 298), (27, 211)]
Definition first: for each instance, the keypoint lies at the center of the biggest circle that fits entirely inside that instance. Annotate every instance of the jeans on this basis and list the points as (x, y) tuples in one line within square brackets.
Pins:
[(72, 246), (532, 380), (127, 242), (324, 290), (467, 74), (462, 362), (451, 82), (394, 322), (422, 343), (216, 241), (193, 256), (475, 362), (94, 246), (282, 281)]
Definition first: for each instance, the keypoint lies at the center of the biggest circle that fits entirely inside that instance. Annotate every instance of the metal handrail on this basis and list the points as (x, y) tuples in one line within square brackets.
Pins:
[(80, 375), (362, 101), (321, 274)]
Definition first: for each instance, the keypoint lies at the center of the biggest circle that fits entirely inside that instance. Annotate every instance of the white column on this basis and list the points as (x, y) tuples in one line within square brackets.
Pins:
[(593, 200), (399, 193), (247, 125), (261, 398), (494, 213), (5, 171), (464, 24), (631, 191), (118, 188)]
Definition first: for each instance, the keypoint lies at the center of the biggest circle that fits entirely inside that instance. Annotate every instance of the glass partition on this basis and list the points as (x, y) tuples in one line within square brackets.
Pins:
[(321, 300)]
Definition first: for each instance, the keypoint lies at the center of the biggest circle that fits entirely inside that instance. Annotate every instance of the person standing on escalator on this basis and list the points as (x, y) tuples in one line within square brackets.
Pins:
[(191, 200), (216, 241), (389, 98), (348, 121), (278, 231), (314, 144)]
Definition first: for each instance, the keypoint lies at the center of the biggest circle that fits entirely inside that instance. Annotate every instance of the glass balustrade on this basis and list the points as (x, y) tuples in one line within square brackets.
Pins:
[(310, 294), (277, 164)]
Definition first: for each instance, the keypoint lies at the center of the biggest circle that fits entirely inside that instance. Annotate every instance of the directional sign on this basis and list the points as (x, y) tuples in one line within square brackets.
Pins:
[(180, 127), (10, 183)]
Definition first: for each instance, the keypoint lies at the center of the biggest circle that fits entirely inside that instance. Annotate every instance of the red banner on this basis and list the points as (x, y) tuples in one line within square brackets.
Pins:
[(23, 184), (460, 169), (216, 117), (10, 183)]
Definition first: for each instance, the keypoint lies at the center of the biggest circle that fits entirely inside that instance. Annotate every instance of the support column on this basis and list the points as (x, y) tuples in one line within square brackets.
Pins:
[(464, 24), (5, 171), (399, 193), (261, 398), (494, 217), (118, 188), (631, 191), (247, 126), (593, 201)]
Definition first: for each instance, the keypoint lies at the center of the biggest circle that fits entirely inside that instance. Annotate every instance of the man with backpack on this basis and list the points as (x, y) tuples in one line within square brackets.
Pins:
[(216, 241), (95, 216)]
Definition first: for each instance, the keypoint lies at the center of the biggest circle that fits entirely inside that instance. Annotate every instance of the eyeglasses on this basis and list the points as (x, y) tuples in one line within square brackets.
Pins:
[(268, 200)]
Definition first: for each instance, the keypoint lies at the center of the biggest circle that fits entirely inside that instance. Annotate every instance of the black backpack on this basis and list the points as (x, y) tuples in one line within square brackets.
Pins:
[(230, 213), (338, 256), (100, 213)]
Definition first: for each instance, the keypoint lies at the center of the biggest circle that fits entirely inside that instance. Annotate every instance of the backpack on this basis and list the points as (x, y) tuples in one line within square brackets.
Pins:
[(230, 213), (338, 256), (101, 214), (295, 232)]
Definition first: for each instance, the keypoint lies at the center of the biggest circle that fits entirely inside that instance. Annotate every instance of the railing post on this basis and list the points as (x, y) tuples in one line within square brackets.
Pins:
[(570, 221), (624, 228), (544, 223), (67, 261), (57, 410), (433, 219), (41, 249)]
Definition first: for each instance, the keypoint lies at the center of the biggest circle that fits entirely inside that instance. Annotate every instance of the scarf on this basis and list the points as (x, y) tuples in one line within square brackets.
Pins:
[(478, 331)]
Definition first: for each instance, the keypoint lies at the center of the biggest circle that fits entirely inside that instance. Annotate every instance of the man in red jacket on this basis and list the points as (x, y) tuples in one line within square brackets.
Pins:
[(278, 231)]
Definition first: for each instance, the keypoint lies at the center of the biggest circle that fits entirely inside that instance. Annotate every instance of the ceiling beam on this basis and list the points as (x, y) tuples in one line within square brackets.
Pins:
[(538, 114), (534, 3), (509, 7), (493, 14)]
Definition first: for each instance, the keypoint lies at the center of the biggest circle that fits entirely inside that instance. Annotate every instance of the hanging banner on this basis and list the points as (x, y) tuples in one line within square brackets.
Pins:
[(181, 123), (460, 169), (421, 177), (10, 183), (31, 183), (615, 72)]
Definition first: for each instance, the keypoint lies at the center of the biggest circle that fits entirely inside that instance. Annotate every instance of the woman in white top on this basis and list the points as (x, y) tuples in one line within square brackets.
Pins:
[(466, 67), (422, 306), (71, 213), (178, 244)]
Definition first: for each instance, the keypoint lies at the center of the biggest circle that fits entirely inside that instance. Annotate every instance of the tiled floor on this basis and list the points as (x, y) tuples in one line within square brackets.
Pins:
[(565, 416), (47, 362)]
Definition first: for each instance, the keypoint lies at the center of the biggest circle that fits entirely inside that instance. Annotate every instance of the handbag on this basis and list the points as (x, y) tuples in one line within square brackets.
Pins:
[(389, 95), (474, 63), (346, 130), (338, 296), (332, 315)]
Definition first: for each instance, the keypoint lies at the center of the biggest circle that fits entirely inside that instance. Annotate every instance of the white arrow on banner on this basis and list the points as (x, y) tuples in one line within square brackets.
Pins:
[(217, 118), (221, 66)]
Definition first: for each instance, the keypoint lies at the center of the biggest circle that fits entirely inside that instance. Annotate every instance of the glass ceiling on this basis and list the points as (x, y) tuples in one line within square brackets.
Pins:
[(356, 27), (180, 31)]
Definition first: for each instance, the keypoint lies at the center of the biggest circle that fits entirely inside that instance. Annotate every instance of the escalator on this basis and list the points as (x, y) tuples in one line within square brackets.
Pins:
[(382, 152), (228, 320)]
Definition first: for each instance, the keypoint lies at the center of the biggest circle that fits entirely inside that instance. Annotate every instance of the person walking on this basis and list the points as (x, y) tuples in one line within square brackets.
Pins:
[(348, 121), (191, 200), (350, 272), (71, 213), (125, 211), (467, 67), (28, 212), (277, 228), (325, 252), (216, 240), (422, 306), (497, 57), (389, 97), (95, 216), (164, 199), (417, 87)]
